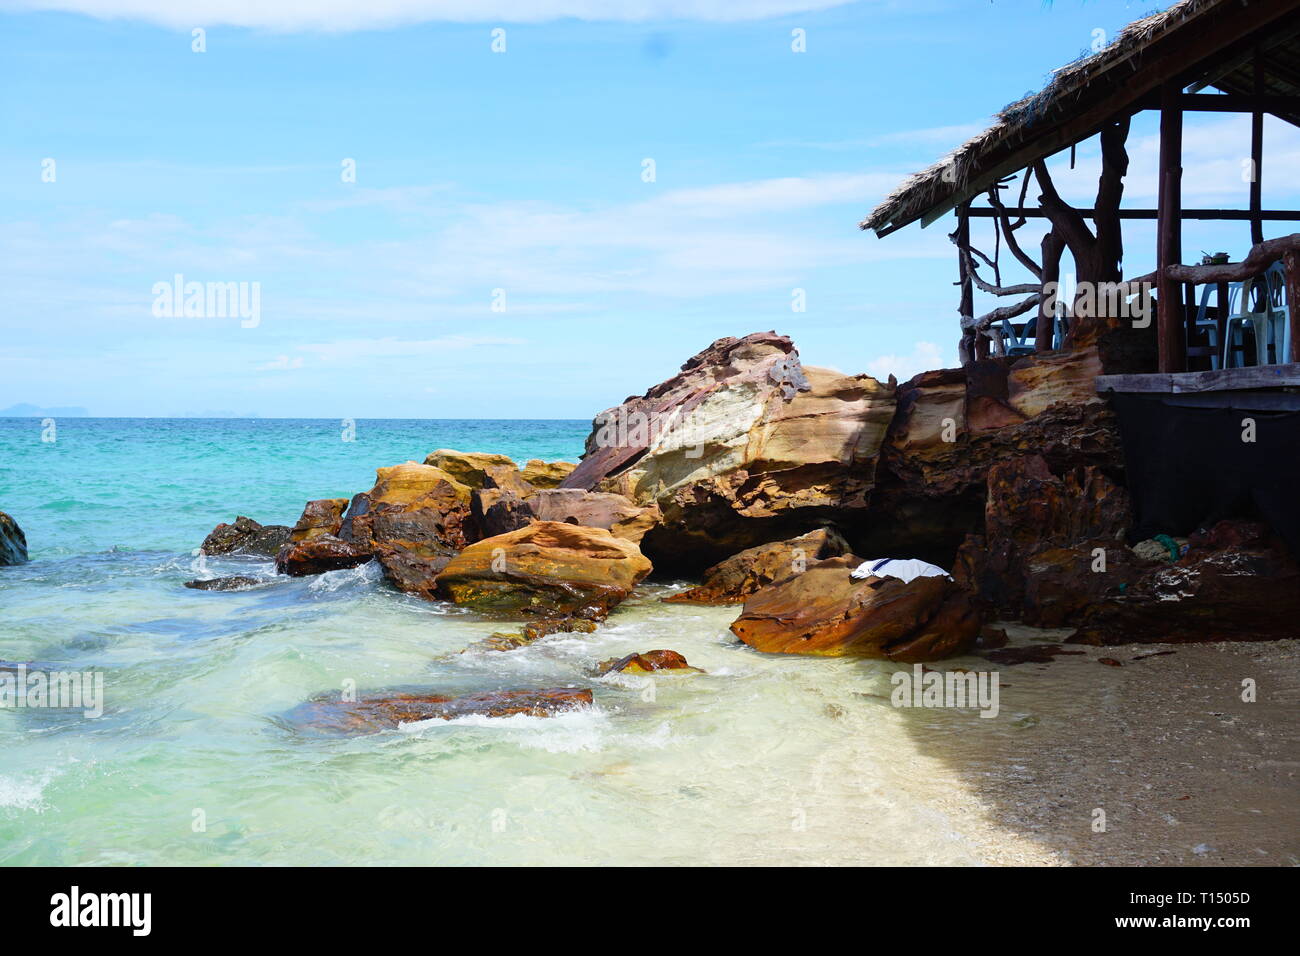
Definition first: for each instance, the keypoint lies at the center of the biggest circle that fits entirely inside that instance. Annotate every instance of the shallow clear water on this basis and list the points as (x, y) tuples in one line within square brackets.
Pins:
[(759, 759)]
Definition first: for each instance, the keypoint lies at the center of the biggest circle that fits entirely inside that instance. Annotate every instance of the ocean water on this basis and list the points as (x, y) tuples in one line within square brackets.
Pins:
[(760, 759)]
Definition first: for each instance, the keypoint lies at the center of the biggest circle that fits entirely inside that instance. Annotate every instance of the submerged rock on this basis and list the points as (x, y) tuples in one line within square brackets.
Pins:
[(246, 536), (385, 711), (546, 474), (236, 582), (825, 611), (13, 543), (742, 447), (555, 568), (644, 663), (733, 580)]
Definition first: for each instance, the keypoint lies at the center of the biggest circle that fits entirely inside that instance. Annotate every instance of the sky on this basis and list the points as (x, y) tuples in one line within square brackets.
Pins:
[(507, 208)]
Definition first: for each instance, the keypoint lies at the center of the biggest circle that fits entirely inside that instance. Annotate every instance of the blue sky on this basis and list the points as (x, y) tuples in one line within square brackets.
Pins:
[(519, 171)]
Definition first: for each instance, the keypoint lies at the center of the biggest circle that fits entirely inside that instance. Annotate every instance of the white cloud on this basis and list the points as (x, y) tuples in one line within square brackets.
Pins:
[(925, 356), (343, 15)]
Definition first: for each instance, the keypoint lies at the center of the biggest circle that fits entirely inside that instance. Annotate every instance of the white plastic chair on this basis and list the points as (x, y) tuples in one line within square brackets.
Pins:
[(1254, 315)]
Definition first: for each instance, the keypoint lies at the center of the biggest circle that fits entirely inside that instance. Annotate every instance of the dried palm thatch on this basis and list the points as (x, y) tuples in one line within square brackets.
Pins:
[(1021, 134)]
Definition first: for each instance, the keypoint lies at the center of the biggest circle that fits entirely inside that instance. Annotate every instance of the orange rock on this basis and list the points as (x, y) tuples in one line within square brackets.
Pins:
[(825, 611), (385, 711), (733, 580), (322, 516), (644, 663)]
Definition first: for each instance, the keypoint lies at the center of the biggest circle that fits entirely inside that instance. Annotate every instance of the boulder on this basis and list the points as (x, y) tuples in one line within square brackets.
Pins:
[(1052, 543), (953, 425), (246, 536), (468, 467), (496, 511), (388, 710), (1235, 583), (547, 567), (13, 543), (413, 520), (320, 554), (733, 580), (546, 474), (322, 516), (742, 447), (592, 509), (236, 582), (644, 663), (824, 611)]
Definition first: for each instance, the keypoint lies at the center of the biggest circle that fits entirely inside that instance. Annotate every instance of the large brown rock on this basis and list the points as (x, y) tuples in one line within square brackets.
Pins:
[(1052, 543), (644, 663), (546, 474), (13, 543), (593, 509), (246, 536), (824, 611), (468, 467), (320, 554), (413, 520), (743, 446), (385, 711), (733, 580), (1235, 583), (548, 567), (322, 516), (498, 511)]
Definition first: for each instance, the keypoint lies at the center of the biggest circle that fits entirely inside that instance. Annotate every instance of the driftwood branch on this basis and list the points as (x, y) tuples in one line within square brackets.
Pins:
[(1002, 312), (1260, 257)]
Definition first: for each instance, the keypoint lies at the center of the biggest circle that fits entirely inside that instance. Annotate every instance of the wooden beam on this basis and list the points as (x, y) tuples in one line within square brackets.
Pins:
[(1169, 240), (1239, 103), (1257, 158), (1218, 380), (1225, 215)]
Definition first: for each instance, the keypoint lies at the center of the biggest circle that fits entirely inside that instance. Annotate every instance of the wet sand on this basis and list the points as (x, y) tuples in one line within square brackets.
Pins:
[(1186, 772)]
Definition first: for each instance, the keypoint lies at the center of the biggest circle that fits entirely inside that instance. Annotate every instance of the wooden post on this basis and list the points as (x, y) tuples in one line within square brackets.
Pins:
[(1053, 246), (966, 305), (1169, 251), (1257, 159), (1291, 261)]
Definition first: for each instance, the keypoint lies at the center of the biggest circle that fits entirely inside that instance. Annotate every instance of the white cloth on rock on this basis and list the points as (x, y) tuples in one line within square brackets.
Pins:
[(905, 569)]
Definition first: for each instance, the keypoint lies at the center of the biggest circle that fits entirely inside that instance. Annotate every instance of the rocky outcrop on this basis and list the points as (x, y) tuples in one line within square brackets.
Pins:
[(386, 711), (733, 580), (1052, 543), (468, 468), (953, 425), (1235, 583), (593, 509), (496, 511), (546, 474), (13, 543), (547, 568), (644, 663), (319, 517), (742, 447), (246, 536), (824, 611)]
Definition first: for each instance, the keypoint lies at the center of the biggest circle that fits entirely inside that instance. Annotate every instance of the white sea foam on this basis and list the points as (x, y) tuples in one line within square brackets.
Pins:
[(361, 578), (24, 792)]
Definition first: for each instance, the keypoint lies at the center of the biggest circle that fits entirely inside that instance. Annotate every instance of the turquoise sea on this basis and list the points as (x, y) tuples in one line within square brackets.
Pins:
[(759, 759)]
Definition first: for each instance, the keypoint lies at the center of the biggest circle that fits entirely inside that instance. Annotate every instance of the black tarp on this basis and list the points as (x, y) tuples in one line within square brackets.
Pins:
[(1189, 467)]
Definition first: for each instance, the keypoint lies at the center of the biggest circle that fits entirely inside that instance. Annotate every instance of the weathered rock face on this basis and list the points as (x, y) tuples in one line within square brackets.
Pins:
[(322, 516), (592, 509), (13, 543), (743, 446), (496, 511), (385, 711), (733, 580), (246, 536), (824, 611), (546, 474), (320, 554), (1235, 583), (468, 468), (413, 520), (549, 568), (953, 425), (236, 582), (644, 663), (1052, 544)]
